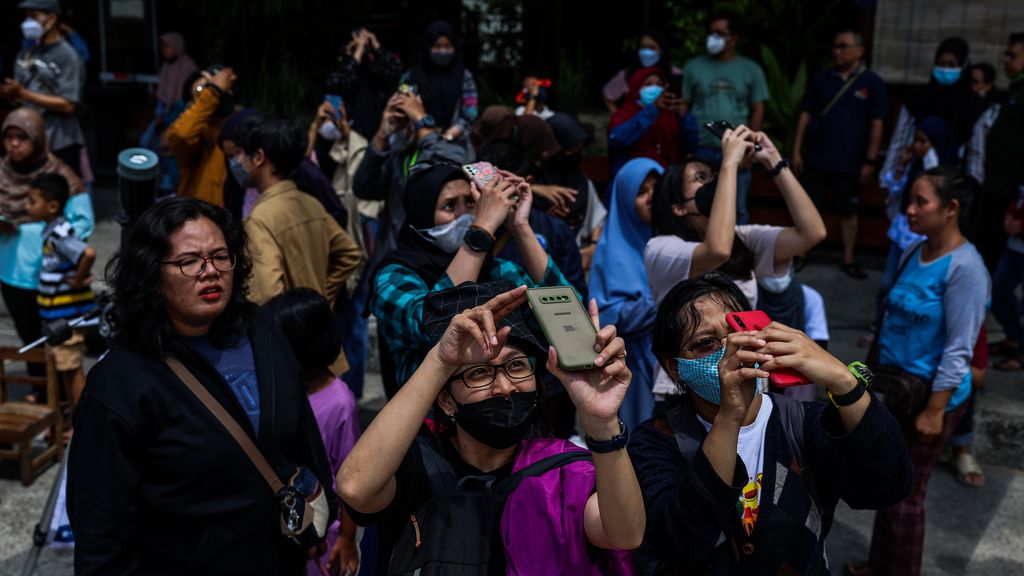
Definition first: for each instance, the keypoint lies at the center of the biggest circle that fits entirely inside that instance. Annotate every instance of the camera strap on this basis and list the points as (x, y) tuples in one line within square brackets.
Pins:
[(843, 90), (229, 423)]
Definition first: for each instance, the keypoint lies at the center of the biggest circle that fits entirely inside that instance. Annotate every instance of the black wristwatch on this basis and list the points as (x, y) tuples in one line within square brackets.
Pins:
[(426, 122), (778, 168), (478, 239), (865, 377), (617, 442)]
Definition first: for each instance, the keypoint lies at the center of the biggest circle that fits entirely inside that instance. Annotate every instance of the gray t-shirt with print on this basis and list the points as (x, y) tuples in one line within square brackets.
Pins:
[(54, 70)]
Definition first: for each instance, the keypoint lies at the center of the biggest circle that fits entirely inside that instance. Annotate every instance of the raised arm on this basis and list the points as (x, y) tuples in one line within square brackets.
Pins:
[(366, 481), (614, 515), (808, 228)]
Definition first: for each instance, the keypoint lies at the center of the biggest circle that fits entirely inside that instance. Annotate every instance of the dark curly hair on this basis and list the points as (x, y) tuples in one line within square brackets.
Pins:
[(134, 273)]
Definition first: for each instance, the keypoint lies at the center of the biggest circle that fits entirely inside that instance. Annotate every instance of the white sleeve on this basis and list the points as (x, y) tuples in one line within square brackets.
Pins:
[(761, 241), (667, 260), (815, 320)]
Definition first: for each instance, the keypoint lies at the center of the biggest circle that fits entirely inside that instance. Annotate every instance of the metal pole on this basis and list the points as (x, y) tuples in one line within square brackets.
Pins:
[(42, 529)]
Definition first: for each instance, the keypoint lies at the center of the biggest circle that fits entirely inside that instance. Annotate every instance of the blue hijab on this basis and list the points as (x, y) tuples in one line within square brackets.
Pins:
[(617, 275)]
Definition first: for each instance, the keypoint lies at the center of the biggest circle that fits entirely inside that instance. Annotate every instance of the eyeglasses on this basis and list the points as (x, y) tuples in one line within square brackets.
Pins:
[(700, 177), (482, 375), (706, 346), (196, 265)]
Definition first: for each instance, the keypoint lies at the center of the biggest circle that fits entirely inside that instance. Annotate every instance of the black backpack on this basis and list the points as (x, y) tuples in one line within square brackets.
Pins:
[(452, 532)]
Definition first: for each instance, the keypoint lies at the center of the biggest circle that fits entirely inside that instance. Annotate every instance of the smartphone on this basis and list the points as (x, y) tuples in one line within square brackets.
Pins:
[(758, 320), (408, 89), (335, 101), (566, 325), (718, 128), (482, 173), (675, 85)]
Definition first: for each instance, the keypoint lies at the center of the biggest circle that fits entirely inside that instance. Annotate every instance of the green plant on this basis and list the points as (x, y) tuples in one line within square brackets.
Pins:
[(573, 81), (783, 107)]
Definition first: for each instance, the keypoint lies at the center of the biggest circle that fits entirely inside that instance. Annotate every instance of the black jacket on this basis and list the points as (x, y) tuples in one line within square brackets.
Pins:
[(693, 526), (156, 485)]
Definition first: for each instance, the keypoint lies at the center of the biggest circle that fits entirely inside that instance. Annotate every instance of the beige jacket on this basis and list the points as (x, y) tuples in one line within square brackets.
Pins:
[(295, 243)]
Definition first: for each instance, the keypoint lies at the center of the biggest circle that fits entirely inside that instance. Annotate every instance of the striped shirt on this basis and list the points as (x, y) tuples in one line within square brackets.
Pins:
[(62, 251)]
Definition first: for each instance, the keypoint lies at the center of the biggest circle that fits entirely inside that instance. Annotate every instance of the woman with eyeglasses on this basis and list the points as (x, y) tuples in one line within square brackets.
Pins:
[(737, 480), (482, 378), (156, 484), (694, 221)]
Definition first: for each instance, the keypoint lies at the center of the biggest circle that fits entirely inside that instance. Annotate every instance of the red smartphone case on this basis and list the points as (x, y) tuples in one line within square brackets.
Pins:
[(758, 320)]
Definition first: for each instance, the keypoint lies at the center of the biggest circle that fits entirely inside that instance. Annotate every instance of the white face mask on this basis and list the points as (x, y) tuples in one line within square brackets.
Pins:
[(715, 44), (329, 131), (448, 237), (31, 29), (775, 284), (930, 160)]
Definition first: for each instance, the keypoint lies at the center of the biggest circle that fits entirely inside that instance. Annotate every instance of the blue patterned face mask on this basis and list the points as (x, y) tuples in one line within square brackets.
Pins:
[(701, 375)]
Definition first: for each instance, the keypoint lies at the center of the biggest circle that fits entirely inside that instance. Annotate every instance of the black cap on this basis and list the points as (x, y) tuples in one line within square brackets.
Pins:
[(44, 5), (440, 307)]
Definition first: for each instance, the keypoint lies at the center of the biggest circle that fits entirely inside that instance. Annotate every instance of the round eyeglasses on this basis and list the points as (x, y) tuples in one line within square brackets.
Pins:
[(483, 375), (706, 346), (196, 265)]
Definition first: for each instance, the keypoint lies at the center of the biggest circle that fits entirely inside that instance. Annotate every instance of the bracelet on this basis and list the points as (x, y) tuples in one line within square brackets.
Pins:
[(616, 443), (778, 168)]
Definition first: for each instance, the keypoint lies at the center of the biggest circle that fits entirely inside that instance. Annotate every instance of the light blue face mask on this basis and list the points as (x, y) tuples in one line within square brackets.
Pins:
[(648, 57), (449, 237), (701, 376), (648, 94), (946, 76)]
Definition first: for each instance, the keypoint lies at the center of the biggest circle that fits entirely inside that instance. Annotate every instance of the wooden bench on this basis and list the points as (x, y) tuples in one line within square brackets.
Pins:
[(21, 422)]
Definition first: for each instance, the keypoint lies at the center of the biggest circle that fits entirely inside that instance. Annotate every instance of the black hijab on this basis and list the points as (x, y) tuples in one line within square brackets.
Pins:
[(414, 251), (564, 169), (952, 103), (439, 86)]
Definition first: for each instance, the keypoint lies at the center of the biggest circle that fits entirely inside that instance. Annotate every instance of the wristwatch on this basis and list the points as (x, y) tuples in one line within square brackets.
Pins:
[(865, 377), (778, 168), (478, 239), (426, 122), (617, 442)]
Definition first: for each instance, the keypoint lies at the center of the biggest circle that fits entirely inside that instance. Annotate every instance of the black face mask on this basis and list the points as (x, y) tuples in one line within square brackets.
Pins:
[(497, 422), (705, 196)]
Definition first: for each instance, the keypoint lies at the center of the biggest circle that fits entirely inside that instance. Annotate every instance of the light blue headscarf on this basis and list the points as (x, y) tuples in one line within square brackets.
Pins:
[(617, 276)]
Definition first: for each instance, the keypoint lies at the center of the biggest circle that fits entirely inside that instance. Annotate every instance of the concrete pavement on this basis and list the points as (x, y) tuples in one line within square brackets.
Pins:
[(970, 531)]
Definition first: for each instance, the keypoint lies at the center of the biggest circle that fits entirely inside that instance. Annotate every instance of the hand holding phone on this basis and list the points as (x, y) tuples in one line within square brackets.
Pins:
[(566, 325), (758, 320), (718, 128)]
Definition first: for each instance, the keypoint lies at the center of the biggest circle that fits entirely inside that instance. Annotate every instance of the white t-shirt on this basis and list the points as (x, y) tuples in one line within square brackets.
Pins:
[(815, 321), (668, 259), (750, 448)]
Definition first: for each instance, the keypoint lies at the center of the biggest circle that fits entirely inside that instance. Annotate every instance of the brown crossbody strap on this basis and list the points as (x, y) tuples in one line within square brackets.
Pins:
[(227, 421)]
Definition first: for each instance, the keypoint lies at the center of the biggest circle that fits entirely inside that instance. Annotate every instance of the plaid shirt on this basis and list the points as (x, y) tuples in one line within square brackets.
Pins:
[(398, 306)]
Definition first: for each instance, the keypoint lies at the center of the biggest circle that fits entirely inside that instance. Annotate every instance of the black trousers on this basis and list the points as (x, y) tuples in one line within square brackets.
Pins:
[(21, 304)]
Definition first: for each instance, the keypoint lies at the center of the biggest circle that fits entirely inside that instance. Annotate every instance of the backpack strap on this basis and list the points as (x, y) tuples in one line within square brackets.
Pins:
[(440, 474), (508, 485), (791, 414)]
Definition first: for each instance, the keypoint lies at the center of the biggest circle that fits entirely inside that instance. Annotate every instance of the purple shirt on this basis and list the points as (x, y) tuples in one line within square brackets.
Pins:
[(337, 414)]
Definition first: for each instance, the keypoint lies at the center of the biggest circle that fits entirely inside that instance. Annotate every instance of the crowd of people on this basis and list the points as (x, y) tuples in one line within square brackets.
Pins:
[(243, 298)]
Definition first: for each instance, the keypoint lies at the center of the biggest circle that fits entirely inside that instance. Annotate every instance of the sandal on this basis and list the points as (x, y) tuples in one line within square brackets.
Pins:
[(1010, 363), (966, 468), (1004, 348), (858, 569)]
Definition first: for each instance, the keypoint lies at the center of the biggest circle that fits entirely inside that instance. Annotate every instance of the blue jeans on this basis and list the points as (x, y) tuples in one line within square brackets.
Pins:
[(743, 177), (1005, 306), (354, 334)]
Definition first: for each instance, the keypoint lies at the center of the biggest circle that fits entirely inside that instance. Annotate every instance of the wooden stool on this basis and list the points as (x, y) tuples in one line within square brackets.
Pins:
[(21, 422)]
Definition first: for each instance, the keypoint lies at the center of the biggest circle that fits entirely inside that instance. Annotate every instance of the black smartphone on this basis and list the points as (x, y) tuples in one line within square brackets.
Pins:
[(718, 128), (675, 85)]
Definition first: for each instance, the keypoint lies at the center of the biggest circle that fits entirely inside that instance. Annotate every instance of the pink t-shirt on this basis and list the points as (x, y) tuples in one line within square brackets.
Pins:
[(337, 415)]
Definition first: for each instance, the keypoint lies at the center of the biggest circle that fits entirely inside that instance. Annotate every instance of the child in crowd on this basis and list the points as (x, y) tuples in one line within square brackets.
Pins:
[(64, 277), (310, 326)]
